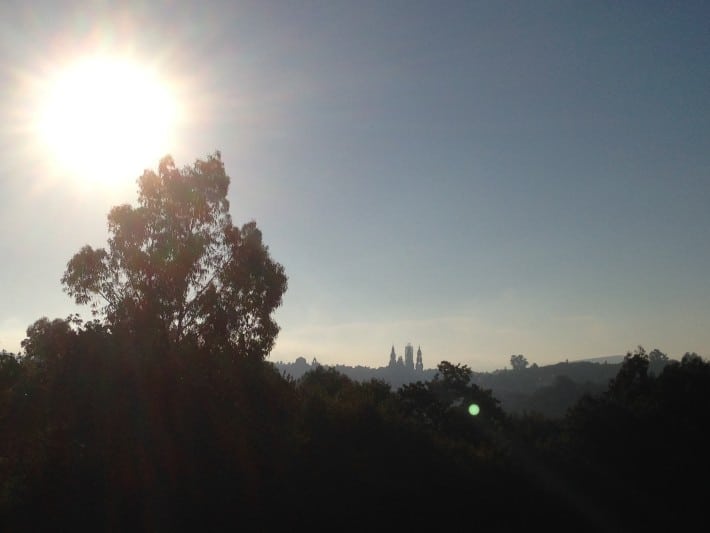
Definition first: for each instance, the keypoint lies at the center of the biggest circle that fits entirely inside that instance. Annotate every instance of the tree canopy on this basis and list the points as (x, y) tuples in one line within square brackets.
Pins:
[(177, 270), (518, 362)]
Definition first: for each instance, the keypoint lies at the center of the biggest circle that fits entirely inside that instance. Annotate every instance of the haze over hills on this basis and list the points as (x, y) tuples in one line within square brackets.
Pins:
[(520, 387), (605, 359), (430, 365), (548, 389)]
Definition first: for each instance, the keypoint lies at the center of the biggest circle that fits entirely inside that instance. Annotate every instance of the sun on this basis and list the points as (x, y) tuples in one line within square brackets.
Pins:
[(106, 119)]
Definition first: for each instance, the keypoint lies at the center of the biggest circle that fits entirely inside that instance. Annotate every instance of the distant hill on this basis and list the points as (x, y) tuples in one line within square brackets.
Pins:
[(578, 369), (612, 359), (548, 389)]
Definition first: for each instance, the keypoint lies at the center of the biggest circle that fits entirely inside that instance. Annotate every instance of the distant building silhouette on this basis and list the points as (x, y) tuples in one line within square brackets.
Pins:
[(407, 363), (409, 357)]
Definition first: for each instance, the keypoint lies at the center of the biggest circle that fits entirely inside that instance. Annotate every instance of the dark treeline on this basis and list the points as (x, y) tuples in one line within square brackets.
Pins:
[(162, 414), (99, 434)]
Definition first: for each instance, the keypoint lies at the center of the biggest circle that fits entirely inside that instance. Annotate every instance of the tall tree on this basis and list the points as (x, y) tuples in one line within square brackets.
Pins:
[(518, 362), (176, 269), (657, 360), (632, 378)]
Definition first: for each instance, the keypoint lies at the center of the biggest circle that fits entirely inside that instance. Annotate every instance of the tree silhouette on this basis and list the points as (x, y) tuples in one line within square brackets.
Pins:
[(47, 340), (176, 269), (657, 360), (9, 369), (632, 378), (442, 404), (518, 362)]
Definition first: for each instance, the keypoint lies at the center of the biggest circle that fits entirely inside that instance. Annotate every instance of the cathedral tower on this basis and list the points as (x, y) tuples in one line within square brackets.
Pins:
[(419, 367), (409, 356)]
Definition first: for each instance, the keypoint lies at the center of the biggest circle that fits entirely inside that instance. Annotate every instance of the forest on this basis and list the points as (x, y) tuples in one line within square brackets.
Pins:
[(161, 412)]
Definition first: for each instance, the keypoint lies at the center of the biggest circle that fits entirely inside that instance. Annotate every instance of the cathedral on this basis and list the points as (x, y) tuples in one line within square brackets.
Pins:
[(408, 361)]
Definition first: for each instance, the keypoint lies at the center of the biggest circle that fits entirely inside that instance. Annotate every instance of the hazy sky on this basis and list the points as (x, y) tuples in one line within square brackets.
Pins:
[(478, 178)]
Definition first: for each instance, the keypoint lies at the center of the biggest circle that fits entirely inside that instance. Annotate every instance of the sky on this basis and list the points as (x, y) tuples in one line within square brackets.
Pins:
[(479, 179)]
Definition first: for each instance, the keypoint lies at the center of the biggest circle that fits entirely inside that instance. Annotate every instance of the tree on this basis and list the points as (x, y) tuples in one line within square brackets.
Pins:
[(47, 340), (691, 358), (657, 360), (176, 269), (632, 378), (9, 369), (656, 356), (518, 362), (443, 402), (452, 380)]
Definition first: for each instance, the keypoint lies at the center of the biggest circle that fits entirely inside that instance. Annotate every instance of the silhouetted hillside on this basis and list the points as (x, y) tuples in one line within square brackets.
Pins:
[(548, 390), (613, 359)]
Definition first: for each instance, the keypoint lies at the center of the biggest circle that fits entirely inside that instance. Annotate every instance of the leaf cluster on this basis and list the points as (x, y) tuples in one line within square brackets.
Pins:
[(176, 268)]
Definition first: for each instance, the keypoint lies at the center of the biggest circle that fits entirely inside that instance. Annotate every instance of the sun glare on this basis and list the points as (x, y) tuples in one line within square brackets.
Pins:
[(106, 119)]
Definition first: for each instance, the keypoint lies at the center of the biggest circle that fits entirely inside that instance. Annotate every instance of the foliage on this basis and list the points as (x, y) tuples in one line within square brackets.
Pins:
[(642, 436), (9, 369), (47, 340), (124, 437), (442, 405), (177, 270), (657, 360), (197, 438), (632, 378), (518, 362)]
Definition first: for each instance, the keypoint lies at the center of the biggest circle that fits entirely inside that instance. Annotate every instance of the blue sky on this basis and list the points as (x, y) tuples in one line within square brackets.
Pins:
[(478, 178)]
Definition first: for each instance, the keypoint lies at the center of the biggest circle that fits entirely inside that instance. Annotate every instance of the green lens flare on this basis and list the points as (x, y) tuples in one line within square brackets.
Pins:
[(473, 409)]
